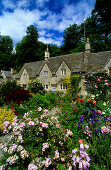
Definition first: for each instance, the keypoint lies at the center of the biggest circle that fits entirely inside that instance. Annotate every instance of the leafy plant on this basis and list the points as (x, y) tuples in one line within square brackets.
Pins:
[(36, 87)]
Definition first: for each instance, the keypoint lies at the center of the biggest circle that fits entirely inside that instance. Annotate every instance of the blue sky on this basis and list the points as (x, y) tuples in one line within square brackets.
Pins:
[(51, 17)]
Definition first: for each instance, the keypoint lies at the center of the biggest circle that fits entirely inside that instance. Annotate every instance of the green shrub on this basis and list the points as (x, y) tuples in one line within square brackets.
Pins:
[(36, 87), (7, 87), (45, 101)]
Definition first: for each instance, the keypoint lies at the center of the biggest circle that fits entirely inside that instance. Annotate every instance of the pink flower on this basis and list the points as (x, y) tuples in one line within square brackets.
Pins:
[(46, 111), (31, 123), (81, 146), (48, 162), (6, 124), (73, 158), (39, 109), (80, 165), (74, 151), (104, 129), (77, 159), (107, 84), (56, 154), (62, 159), (98, 79), (45, 145), (85, 81), (69, 133), (91, 75), (96, 86), (105, 80), (9, 127), (22, 125), (84, 164), (86, 147), (45, 125)]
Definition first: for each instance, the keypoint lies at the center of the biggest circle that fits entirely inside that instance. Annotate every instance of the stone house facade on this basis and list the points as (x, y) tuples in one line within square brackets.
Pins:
[(51, 70)]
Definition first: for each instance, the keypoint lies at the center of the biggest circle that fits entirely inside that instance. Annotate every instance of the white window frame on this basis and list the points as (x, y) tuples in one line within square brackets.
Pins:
[(46, 73), (46, 87), (63, 87), (63, 71)]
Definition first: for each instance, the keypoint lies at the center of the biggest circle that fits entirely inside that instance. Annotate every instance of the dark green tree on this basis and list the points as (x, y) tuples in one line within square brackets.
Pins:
[(26, 50), (6, 52), (102, 13), (71, 38)]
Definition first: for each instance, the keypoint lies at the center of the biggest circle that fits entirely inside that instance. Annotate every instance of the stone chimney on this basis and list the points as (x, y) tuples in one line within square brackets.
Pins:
[(87, 47), (47, 54)]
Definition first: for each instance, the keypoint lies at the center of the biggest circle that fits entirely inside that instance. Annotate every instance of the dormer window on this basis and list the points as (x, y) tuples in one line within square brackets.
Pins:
[(63, 71), (45, 73), (25, 76)]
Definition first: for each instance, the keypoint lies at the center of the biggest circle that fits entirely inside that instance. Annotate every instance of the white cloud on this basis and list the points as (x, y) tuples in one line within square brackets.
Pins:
[(23, 3), (8, 4), (50, 40), (40, 3), (15, 24)]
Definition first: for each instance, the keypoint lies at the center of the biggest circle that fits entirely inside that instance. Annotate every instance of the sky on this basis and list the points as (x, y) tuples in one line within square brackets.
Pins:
[(50, 17)]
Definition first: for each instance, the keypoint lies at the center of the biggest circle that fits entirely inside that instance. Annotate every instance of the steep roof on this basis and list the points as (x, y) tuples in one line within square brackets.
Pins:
[(8, 74), (97, 61), (75, 62)]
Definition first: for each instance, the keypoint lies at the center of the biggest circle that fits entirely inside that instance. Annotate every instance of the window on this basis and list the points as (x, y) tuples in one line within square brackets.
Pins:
[(53, 87), (45, 73), (25, 76), (46, 87), (63, 71), (63, 87)]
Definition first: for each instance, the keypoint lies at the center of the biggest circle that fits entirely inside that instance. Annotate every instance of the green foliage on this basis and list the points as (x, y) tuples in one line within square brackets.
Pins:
[(72, 83), (71, 37), (98, 84), (27, 48), (6, 88), (6, 56), (45, 101), (35, 86)]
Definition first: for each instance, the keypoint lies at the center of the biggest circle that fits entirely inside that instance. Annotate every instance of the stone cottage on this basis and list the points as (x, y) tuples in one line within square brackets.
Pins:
[(52, 69)]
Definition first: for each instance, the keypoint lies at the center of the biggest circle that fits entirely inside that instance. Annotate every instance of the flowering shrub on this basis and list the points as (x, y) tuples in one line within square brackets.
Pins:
[(98, 84), (36, 87), (18, 96), (41, 143), (6, 115)]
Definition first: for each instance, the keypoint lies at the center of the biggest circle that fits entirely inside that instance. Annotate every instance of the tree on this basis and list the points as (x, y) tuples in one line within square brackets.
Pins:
[(6, 44), (6, 52), (102, 13), (71, 37), (26, 50)]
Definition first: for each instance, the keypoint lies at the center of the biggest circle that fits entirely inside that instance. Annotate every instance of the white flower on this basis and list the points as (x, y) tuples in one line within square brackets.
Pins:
[(12, 159), (24, 154), (20, 148), (32, 167)]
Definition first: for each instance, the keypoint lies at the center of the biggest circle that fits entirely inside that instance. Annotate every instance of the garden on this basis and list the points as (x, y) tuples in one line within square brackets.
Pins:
[(76, 136)]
